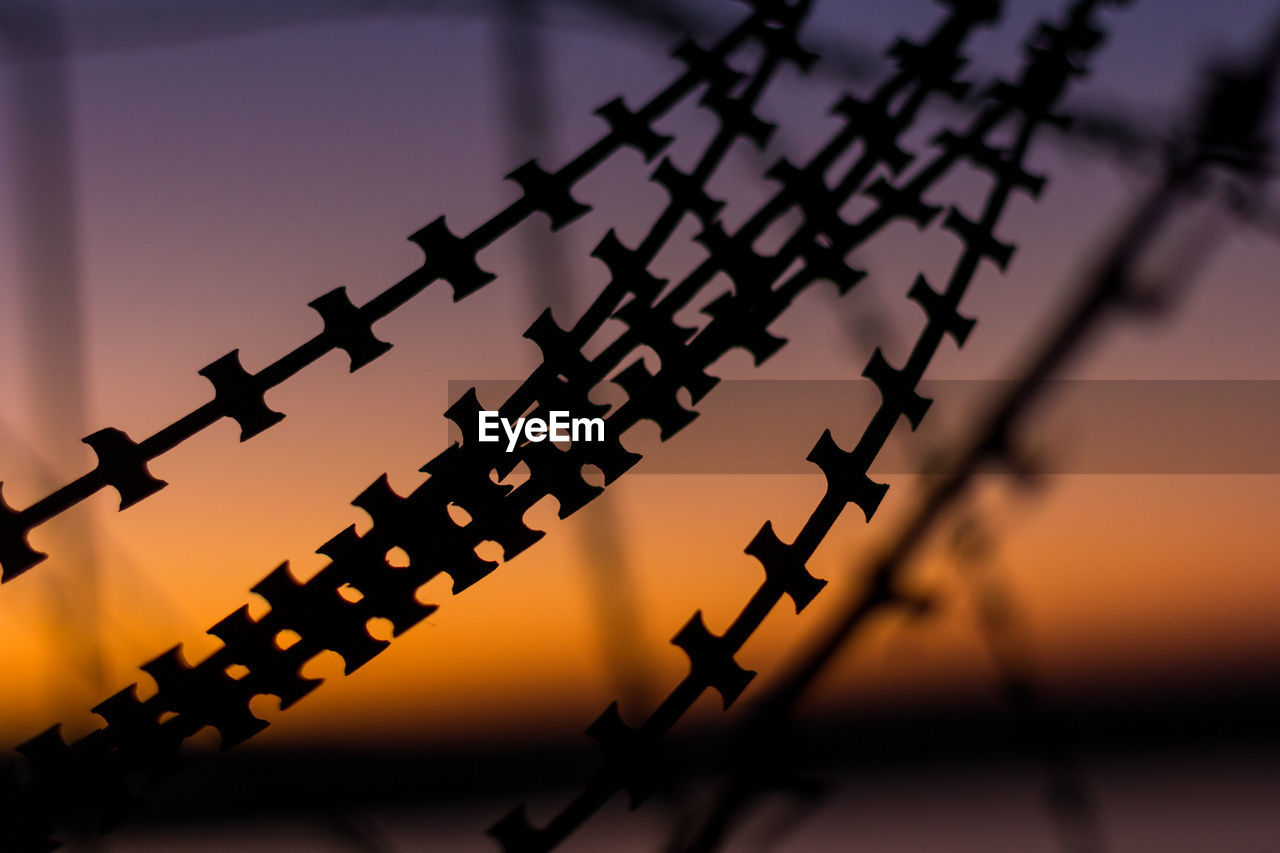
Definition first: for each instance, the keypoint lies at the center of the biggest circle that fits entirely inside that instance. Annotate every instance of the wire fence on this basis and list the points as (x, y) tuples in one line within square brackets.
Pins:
[(467, 501)]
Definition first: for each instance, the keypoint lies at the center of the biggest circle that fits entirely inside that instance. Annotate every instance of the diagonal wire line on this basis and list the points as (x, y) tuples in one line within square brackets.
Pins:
[(1072, 804), (89, 773), (136, 738), (627, 752), (522, 62), (1112, 290), (240, 395), (126, 25)]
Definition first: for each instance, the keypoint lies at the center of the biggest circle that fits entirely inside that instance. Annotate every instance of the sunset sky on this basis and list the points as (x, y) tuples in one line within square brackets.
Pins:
[(223, 184)]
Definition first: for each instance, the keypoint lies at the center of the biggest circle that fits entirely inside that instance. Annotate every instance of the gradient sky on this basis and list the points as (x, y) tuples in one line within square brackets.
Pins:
[(224, 184)]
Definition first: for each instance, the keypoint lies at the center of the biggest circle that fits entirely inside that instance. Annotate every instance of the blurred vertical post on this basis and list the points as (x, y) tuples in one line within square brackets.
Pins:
[(38, 89), (525, 106)]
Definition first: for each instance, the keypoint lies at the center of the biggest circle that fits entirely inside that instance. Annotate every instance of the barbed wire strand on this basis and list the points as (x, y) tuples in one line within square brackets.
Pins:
[(138, 743), (1112, 290), (602, 551), (143, 736), (996, 613), (627, 750), (240, 395)]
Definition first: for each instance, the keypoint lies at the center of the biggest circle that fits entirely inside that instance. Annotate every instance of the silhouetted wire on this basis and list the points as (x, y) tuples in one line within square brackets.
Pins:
[(627, 751), (1228, 135), (117, 452), (239, 395), (1074, 808), (126, 25), (628, 759), (996, 612), (142, 741), (142, 588), (527, 110), (767, 760)]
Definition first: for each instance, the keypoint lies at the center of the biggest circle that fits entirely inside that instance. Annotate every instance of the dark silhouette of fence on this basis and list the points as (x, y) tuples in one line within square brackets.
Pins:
[(1230, 132), (94, 772), (141, 743), (1055, 57)]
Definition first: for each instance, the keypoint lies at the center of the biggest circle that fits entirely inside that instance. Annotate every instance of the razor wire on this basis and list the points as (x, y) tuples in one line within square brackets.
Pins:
[(974, 552), (93, 773), (239, 395), (628, 753), (1230, 133), (727, 132)]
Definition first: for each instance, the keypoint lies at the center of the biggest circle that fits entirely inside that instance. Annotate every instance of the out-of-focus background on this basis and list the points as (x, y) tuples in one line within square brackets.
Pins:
[(206, 173)]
